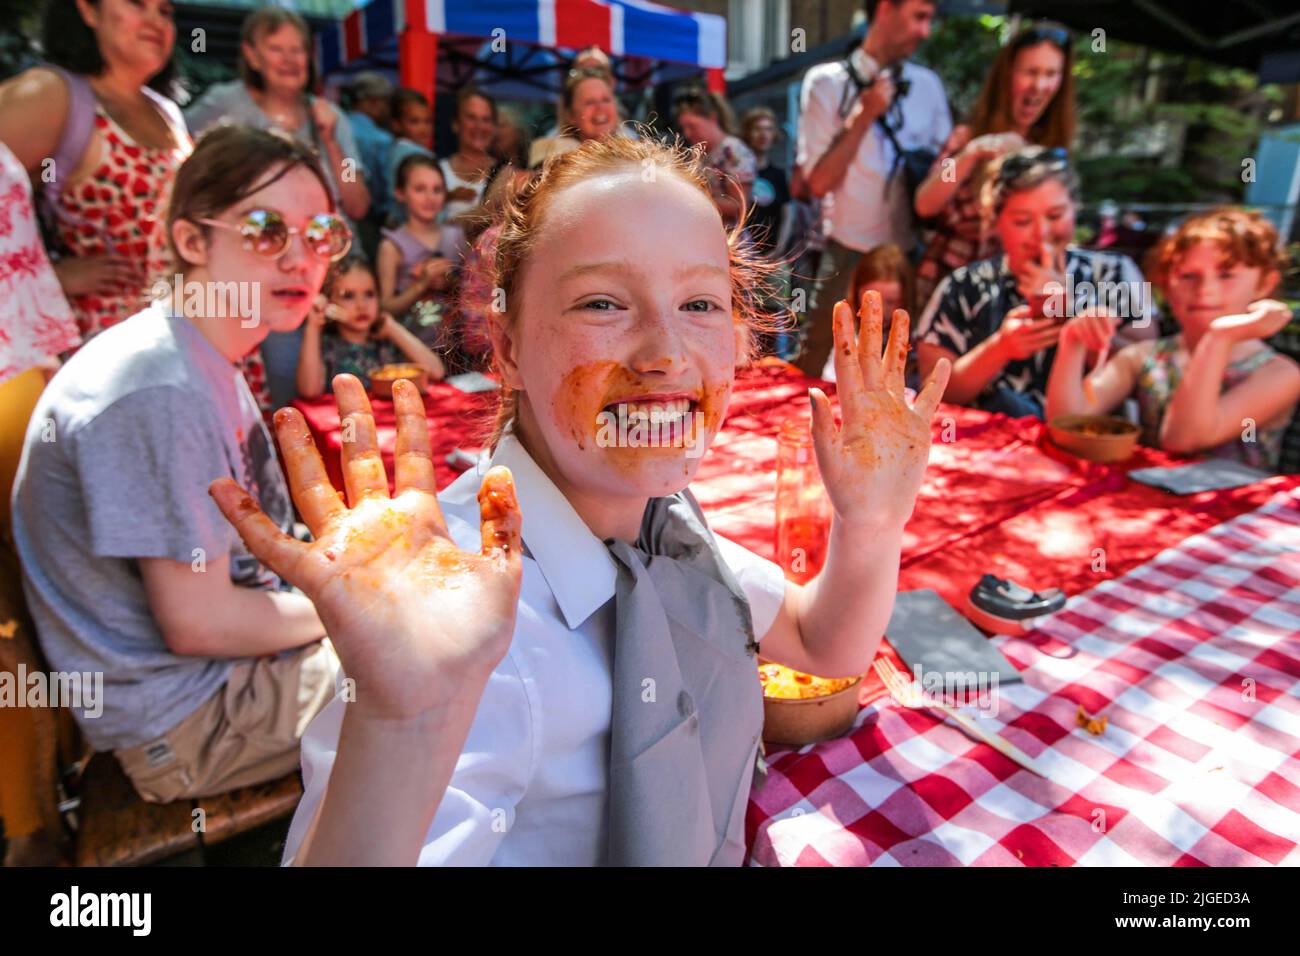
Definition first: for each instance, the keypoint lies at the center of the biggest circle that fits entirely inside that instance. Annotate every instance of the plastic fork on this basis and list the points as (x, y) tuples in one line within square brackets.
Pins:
[(1088, 392), (905, 691)]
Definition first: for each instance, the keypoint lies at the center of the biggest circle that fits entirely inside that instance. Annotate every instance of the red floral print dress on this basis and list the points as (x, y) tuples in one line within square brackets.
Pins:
[(35, 321), (121, 208)]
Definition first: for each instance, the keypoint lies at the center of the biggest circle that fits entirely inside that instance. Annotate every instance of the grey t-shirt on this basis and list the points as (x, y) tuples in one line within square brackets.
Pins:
[(116, 466)]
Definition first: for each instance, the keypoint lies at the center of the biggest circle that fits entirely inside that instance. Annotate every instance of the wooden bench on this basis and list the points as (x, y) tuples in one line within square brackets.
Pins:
[(119, 829), (115, 827)]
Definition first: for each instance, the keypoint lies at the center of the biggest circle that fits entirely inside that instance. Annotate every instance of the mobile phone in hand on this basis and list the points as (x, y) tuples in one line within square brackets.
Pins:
[(1037, 306), (1038, 309)]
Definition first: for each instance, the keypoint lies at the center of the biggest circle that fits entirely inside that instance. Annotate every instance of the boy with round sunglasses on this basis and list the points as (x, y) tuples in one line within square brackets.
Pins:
[(209, 666)]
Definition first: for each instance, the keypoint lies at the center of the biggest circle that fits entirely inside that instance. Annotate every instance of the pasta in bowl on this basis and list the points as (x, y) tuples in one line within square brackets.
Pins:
[(801, 709), (383, 378)]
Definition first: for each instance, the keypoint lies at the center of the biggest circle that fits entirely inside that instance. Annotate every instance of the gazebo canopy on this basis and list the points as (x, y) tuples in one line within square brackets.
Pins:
[(505, 45)]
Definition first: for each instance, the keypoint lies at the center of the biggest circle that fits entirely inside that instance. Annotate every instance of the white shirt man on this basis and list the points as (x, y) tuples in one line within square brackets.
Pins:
[(868, 207), (853, 165)]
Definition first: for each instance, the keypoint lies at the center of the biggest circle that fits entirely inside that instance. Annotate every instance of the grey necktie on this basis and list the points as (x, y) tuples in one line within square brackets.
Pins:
[(688, 706)]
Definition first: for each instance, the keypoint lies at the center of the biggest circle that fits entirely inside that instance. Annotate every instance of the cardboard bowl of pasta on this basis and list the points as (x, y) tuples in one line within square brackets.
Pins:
[(1103, 438), (801, 709), (382, 379)]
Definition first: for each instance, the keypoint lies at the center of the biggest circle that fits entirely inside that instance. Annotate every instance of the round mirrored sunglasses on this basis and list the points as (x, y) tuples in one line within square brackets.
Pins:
[(265, 233)]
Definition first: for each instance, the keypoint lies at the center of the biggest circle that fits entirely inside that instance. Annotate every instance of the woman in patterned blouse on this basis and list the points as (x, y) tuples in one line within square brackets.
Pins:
[(997, 320), (1028, 98)]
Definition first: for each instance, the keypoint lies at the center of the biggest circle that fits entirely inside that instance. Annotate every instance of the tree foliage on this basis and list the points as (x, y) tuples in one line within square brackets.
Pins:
[(1184, 144)]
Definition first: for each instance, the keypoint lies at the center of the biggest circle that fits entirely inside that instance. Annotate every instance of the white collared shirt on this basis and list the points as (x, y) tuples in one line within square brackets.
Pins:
[(859, 213), (530, 787)]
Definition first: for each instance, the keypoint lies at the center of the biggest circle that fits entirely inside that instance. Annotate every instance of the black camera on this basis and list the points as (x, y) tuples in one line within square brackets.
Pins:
[(863, 73), (901, 85)]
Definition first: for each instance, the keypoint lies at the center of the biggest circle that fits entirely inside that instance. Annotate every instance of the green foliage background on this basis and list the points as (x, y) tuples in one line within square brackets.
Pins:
[(1221, 107)]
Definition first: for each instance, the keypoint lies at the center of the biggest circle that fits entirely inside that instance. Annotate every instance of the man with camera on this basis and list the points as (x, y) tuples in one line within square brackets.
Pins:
[(870, 125)]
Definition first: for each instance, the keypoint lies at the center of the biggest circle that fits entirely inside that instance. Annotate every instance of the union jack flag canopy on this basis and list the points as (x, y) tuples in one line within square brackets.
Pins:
[(634, 28)]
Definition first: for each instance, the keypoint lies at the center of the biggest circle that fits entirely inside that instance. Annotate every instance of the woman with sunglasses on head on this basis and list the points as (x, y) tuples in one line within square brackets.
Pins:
[(998, 319), (212, 668), (99, 117), (1027, 100)]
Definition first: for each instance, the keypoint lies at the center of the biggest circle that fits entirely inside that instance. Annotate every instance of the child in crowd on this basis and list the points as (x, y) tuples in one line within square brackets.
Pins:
[(501, 712), (886, 270), (1215, 388), (348, 333), (412, 121), (419, 263)]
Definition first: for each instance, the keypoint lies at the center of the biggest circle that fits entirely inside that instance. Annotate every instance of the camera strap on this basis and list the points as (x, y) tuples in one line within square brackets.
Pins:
[(890, 135)]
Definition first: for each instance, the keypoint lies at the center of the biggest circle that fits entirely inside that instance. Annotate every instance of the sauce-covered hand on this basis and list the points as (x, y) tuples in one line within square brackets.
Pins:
[(404, 607), (873, 464)]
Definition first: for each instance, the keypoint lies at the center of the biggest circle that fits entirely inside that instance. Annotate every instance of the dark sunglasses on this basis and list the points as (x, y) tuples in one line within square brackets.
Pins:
[(327, 236), (1038, 35), (1016, 165)]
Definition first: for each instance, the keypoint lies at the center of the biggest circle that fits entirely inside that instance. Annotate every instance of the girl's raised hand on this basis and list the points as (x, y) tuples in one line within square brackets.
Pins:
[(1262, 318), (317, 314), (401, 603), (433, 272), (873, 464)]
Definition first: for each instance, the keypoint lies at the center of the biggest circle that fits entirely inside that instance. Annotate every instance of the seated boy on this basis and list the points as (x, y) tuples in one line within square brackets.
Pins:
[(211, 669)]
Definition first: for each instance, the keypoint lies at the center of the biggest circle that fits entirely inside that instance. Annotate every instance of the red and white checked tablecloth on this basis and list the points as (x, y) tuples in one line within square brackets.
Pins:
[(1193, 656)]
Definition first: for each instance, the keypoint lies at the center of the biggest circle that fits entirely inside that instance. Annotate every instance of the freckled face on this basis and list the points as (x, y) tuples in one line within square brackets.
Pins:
[(625, 307), (1204, 284)]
